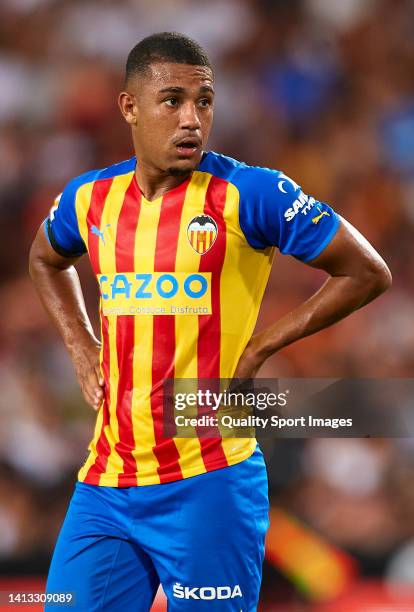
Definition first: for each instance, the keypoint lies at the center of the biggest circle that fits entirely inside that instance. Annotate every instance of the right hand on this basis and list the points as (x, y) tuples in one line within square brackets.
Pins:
[(86, 363)]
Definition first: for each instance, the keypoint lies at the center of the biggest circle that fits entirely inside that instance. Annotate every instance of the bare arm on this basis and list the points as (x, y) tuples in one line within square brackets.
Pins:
[(357, 275), (57, 284)]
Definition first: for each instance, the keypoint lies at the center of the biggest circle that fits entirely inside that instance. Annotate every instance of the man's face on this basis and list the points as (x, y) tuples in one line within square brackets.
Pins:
[(171, 115)]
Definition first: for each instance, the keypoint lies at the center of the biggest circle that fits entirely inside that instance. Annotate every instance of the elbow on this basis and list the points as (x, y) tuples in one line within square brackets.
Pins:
[(377, 278), (386, 282)]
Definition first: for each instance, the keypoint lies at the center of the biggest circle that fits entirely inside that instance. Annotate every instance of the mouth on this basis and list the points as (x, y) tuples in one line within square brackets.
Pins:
[(187, 147)]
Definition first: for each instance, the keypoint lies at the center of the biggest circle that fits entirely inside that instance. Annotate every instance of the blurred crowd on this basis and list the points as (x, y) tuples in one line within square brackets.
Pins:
[(320, 89)]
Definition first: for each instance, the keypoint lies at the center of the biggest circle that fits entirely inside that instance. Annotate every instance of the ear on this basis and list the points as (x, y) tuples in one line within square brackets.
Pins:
[(128, 106)]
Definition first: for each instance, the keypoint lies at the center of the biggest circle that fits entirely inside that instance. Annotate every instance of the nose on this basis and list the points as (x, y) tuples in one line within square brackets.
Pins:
[(189, 119)]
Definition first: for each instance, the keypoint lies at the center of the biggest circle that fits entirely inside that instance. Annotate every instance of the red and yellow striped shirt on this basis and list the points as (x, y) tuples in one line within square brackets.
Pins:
[(192, 234)]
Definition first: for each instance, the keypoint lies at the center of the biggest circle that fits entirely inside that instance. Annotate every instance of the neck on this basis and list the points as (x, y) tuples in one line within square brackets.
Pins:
[(153, 182)]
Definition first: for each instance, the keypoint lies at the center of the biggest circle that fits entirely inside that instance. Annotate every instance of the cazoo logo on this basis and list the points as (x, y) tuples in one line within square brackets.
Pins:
[(153, 293), (207, 593), (143, 286)]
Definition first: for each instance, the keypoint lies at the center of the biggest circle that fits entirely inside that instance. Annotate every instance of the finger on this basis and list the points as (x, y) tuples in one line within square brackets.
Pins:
[(97, 397), (95, 382), (89, 398), (94, 401), (93, 392), (99, 376)]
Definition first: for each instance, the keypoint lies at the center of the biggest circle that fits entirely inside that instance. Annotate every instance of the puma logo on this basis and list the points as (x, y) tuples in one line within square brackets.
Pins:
[(319, 217), (100, 233)]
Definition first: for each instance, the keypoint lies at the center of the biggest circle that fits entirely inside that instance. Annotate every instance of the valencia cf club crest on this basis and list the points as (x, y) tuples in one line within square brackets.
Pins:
[(202, 233)]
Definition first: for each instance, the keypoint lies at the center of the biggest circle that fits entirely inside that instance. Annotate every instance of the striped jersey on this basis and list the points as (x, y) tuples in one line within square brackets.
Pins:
[(181, 280)]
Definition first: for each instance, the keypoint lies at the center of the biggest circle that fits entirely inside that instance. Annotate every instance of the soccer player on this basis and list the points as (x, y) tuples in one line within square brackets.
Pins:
[(181, 241)]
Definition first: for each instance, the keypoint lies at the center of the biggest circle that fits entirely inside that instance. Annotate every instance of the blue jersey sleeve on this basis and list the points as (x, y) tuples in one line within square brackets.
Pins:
[(61, 226), (274, 211)]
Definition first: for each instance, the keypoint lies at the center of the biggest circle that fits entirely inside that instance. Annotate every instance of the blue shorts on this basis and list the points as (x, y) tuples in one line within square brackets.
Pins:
[(202, 538)]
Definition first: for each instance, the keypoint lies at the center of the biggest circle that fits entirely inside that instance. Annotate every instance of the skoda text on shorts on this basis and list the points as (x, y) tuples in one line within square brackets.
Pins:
[(181, 240)]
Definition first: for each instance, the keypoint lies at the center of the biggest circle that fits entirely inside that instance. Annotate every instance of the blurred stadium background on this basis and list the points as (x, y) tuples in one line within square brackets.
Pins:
[(322, 89)]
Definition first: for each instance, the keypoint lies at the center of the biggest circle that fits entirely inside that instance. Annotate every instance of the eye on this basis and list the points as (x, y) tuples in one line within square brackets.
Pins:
[(205, 102), (171, 101)]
